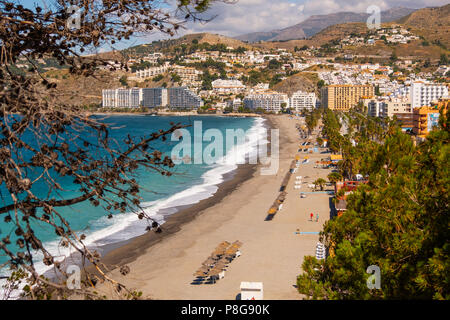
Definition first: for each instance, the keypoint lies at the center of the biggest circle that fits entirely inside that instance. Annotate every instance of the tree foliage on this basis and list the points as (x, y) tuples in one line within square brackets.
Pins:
[(399, 221), (43, 141)]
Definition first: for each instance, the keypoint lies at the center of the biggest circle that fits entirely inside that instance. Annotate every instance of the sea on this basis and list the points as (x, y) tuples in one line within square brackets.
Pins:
[(161, 195)]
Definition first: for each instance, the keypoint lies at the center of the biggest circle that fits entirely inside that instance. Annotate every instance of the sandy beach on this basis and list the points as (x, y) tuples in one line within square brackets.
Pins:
[(162, 265)]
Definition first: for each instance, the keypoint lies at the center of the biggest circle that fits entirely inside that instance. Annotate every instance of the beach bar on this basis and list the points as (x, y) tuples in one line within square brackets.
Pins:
[(252, 291)]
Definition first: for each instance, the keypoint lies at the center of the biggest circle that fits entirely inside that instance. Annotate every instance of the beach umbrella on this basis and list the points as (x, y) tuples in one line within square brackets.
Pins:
[(217, 252), (221, 267), (221, 262), (209, 262), (214, 272), (218, 256), (200, 273), (238, 243)]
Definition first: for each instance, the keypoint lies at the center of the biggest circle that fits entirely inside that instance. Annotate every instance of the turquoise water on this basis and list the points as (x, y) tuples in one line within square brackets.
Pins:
[(189, 184)]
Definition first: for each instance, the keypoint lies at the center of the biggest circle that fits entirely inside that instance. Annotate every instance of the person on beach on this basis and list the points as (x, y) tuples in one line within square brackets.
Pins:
[(317, 217), (311, 216)]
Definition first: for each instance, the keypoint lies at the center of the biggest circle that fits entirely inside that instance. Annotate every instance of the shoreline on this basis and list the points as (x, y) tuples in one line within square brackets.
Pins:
[(124, 252), (120, 253), (178, 114), (272, 252)]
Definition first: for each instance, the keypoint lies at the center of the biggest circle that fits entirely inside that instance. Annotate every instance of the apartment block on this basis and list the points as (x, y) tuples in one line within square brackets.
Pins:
[(183, 98), (154, 97), (187, 74), (427, 117), (152, 72), (302, 101), (423, 94), (121, 98), (269, 101), (374, 107), (401, 109), (395, 107), (228, 86), (178, 97), (345, 97)]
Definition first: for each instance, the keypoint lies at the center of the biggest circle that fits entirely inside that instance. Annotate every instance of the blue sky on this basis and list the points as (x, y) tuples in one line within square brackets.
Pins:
[(264, 15)]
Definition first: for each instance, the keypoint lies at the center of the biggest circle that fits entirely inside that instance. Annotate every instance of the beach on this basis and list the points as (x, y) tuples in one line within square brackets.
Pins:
[(162, 265)]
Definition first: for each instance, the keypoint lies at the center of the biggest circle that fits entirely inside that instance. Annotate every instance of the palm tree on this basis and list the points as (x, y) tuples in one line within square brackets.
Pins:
[(319, 182), (334, 177)]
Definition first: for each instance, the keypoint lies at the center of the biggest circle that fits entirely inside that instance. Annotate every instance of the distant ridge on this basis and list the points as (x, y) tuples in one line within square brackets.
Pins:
[(431, 23), (317, 23)]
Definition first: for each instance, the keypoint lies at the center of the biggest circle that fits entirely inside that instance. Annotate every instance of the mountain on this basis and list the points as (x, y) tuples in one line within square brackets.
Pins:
[(169, 45), (433, 24), (317, 23)]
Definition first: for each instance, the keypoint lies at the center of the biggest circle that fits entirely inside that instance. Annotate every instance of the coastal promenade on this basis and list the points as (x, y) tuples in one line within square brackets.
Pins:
[(272, 252)]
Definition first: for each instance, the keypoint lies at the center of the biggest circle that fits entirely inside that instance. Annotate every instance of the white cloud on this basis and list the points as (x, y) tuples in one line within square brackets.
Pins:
[(334, 6), (246, 16)]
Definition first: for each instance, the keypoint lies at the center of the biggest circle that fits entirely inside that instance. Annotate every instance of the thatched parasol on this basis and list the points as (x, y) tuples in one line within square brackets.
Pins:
[(200, 273), (237, 243), (214, 272), (209, 262)]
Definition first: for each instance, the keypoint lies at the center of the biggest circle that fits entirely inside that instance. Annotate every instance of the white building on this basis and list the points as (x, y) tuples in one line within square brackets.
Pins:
[(154, 97), (187, 74), (269, 101), (153, 57), (260, 87), (235, 103), (183, 98), (397, 106), (422, 94), (121, 98), (402, 92), (374, 106), (227, 86), (109, 98), (302, 101), (442, 70), (152, 72)]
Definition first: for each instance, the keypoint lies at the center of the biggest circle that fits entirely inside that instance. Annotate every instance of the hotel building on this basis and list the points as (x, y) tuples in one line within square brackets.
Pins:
[(121, 98), (344, 97), (177, 97), (423, 94), (269, 101), (302, 101), (152, 72), (183, 98), (227, 86), (154, 97), (427, 117)]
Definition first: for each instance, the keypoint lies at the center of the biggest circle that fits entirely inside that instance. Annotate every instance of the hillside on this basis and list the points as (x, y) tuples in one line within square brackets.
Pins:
[(168, 45), (79, 90), (338, 32), (431, 23), (317, 23), (335, 32), (304, 81)]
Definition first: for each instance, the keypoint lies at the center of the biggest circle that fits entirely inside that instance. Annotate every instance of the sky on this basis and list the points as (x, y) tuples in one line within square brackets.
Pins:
[(246, 16), (264, 15)]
